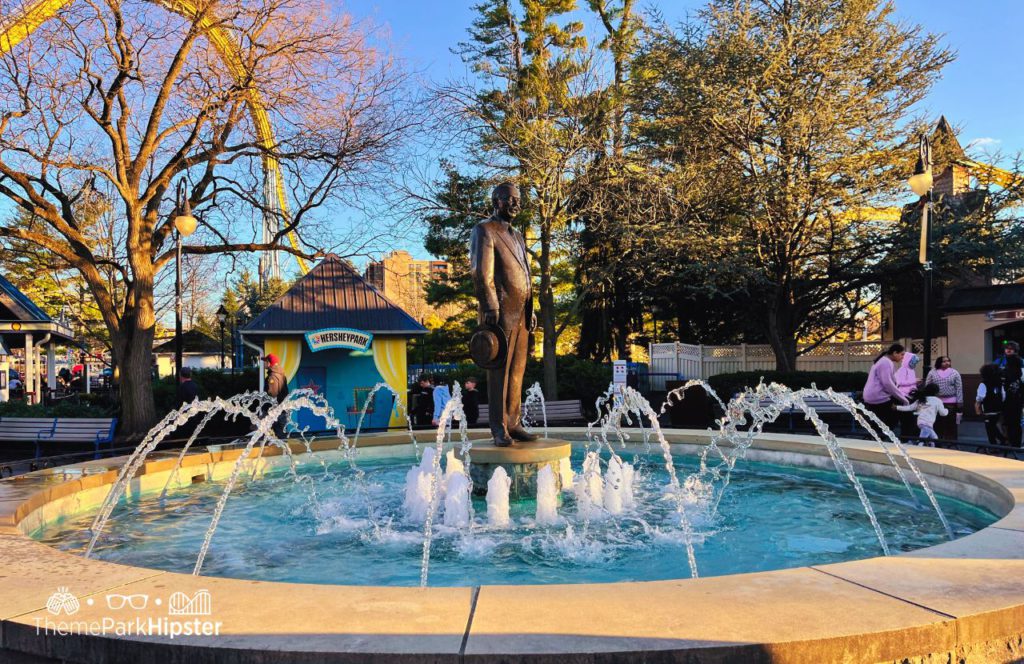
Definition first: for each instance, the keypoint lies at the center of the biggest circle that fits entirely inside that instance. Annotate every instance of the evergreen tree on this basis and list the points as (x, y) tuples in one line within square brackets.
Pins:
[(796, 114)]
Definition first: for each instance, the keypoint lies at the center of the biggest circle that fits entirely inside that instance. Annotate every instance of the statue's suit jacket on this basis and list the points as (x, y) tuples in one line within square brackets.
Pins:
[(501, 273)]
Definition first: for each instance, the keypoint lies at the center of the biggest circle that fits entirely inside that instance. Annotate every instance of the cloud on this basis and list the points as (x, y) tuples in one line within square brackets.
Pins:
[(984, 142)]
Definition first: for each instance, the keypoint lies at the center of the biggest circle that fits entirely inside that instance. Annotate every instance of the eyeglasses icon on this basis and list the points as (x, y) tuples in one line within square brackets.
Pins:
[(137, 602)]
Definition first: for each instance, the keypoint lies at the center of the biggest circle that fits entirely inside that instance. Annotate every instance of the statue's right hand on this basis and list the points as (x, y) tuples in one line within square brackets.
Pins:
[(491, 317)]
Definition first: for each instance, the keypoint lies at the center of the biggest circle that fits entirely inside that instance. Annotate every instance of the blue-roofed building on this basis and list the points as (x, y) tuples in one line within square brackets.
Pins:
[(24, 325), (337, 335)]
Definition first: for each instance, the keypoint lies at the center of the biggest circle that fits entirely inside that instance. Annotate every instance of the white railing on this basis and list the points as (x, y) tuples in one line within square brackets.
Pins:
[(687, 361)]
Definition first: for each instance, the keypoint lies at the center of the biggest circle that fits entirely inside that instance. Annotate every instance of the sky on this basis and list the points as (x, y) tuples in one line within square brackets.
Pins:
[(980, 92)]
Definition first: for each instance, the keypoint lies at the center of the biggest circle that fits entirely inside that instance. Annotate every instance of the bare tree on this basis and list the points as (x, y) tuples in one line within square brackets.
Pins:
[(132, 98)]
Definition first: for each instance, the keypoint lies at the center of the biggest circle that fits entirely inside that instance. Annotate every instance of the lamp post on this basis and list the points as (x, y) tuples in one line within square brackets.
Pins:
[(185, 225), (921, 184), (222, 315)]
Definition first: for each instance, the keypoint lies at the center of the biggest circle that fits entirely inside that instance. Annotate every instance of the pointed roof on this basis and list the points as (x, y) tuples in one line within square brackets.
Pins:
[(946, 145), (15, 305), (20, 315), (333, 294)]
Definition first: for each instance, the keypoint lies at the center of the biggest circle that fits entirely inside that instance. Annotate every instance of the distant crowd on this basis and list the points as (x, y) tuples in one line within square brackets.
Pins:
[(431, 394), (932, 409)]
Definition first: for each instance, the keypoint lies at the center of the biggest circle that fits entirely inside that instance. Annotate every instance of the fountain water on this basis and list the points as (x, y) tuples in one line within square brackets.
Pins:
[(396, 407), (498, 498), (547, 497), (535, 398), (603, 496)]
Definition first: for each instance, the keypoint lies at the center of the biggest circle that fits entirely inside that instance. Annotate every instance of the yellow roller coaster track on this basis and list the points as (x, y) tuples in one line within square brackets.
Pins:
[(989, 174), (16, 28)]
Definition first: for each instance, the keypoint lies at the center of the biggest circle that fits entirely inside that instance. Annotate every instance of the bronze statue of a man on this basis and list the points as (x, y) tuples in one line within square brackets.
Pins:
[(501, 273)]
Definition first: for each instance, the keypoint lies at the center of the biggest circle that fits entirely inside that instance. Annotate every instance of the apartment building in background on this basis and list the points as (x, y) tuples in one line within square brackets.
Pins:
[(403, 280)]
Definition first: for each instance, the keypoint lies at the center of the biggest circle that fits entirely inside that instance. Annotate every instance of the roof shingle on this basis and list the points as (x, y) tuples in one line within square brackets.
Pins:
[(333, 294)]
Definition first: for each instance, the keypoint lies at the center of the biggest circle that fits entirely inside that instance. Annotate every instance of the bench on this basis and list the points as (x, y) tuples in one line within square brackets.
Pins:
[(96, 430), (570, 410), (819, 405)]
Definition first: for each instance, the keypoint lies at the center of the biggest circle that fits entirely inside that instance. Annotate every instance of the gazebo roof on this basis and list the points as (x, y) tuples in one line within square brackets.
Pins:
[(20, 315), (334, 295)]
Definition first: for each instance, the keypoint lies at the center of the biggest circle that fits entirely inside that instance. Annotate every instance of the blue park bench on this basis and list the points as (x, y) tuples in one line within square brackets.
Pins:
[(58, 429)]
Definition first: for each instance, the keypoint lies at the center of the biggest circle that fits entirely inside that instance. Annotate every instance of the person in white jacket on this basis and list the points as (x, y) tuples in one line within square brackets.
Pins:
[(926, 403)]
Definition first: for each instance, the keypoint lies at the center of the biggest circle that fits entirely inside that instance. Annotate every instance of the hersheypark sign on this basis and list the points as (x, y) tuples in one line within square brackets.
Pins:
[(338, 337)]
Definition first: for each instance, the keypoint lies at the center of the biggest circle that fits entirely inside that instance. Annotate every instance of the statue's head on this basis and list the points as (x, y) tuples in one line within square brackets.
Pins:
[(505, 198)]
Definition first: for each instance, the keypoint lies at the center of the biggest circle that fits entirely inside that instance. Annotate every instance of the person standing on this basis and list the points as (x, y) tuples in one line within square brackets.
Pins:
[(906, 380), (471, 401), (1013, 400), (277, 382), (423, 411), (442, 395), (951, 392), (881, 393), (989, 403), (188, 390), (277, 387)]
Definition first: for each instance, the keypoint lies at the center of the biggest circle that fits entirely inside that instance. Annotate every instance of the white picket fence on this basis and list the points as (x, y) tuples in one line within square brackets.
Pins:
[(688, 361)]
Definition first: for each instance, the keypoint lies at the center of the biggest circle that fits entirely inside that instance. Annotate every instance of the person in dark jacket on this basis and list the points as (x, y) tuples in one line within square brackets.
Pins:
[(277, 382), (423, 411), (989, 402), (188, 390), (1013, 399), (277, 387), (471, 401)]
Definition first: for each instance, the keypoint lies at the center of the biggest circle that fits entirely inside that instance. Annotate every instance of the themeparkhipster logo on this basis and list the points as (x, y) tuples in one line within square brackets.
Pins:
[(187, 615)]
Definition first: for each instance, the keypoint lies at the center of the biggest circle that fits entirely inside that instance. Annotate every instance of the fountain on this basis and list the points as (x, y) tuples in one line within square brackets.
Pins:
[(590, 498), (628, 501)]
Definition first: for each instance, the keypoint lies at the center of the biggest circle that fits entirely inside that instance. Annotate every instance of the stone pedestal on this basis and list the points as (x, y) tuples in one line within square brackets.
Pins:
[(522, 462)]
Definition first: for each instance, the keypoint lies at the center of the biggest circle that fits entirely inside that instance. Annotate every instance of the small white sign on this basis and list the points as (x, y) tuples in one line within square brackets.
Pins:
[(338, 337), (619, 372)]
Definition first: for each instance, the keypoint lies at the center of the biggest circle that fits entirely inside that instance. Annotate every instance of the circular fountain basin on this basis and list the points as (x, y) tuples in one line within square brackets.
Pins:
[(964, 597), (770, 517)]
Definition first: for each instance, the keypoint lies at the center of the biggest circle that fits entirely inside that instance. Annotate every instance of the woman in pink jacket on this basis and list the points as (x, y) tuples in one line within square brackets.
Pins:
[(906, 380), (881, 393)]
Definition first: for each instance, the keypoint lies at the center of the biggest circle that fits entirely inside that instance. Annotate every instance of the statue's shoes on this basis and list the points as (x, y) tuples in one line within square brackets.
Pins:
[(522, 435), (502, 440)]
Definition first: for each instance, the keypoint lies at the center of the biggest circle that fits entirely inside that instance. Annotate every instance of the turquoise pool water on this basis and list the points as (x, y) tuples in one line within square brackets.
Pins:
[(320, 529)]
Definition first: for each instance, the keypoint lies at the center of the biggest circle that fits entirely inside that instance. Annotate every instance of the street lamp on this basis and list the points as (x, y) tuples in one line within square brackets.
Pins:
[(222, 315), (185, 225), (921, 184)]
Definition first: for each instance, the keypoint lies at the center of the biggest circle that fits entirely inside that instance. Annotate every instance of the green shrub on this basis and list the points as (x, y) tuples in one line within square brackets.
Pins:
[(81, 405), (212, 383), (729, 384), (577, 378)]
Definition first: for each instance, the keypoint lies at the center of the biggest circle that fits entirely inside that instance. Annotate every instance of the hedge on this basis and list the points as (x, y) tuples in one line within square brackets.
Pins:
[(80, 405), (211, 382), (729, 384), (577, 378)]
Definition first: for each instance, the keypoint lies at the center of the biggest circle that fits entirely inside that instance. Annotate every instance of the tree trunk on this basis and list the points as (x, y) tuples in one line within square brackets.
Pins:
[(134, 357), (782, 337), (133, 352), (546, 300)]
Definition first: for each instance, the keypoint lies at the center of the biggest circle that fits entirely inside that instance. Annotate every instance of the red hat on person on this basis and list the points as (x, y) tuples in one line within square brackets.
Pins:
[(272, 359)]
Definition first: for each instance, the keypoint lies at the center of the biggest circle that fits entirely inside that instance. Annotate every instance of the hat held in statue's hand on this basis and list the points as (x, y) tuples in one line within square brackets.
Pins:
[(488, 347)]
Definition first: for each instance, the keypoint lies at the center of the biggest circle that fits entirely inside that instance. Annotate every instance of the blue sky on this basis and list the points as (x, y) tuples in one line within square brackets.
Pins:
[(980, 92)]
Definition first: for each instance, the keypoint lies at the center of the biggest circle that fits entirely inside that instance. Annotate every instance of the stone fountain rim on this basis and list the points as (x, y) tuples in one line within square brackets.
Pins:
[(955, 596)]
